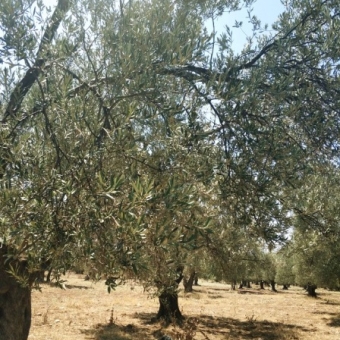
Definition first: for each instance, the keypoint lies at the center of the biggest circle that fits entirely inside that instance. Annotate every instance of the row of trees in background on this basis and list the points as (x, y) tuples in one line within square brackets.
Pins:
[(133, 143), (306, 262), (309, 256)]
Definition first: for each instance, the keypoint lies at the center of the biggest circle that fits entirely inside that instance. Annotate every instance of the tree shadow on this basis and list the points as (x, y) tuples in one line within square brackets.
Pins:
[(257, 291), (64, 285), (77, 287), (235, 329), (334, 321), (145, 318), (250, 329), (332, 303), (253, 290), (323, 313), (119, 332), (219, 289), (215, 296)]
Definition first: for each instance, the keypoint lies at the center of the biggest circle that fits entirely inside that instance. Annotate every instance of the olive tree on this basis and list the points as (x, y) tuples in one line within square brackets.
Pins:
[(99, 151), (284, 259), (123, 134), (315, 244)]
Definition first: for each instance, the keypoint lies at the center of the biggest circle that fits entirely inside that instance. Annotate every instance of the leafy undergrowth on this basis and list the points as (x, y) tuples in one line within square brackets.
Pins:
[(85, 310)]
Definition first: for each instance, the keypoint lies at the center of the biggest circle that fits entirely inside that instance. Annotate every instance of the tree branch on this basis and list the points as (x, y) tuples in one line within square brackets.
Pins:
[(25, 84)]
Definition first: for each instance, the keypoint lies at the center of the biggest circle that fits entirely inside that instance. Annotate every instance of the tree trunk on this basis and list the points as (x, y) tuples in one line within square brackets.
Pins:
[(196, 280), (189, 283), (233, 285), (15, 301), (272, 284), (285, 287), (45, 266), (41, 276), (248, 284), (311, 290), (48, 277), (168, 301), (261, 284), (168, 307)]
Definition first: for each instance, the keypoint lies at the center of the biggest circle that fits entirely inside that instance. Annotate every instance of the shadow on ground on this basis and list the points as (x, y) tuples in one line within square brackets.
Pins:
[(120, 332), (330, 302), (64, 285), (250, 329), (76, 287), (215, 296), (254, 290), (334, 321), (219, 289), (235, 329)]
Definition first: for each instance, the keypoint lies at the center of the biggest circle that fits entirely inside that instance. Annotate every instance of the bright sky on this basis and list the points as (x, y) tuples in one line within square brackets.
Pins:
[(265, 10)]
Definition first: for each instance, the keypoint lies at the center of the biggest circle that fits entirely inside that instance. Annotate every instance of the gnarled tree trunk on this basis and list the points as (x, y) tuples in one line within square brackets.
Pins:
[(15, 301), (168, 307), (168, 301)]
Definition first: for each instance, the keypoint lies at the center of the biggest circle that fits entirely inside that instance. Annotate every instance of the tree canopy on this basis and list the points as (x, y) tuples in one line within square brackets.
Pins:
[(131, 136)]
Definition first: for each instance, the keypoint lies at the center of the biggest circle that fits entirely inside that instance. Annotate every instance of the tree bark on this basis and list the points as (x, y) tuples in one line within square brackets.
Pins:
[(15, 301), (261, 284), (311, 290), (272, 284), (188, 283), (25, 84), (48, 276), (196, 280), (32, 74), (168, 301), (168, 307)]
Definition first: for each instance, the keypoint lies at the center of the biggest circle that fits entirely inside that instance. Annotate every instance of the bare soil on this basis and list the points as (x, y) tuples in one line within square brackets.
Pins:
[(84, 310)]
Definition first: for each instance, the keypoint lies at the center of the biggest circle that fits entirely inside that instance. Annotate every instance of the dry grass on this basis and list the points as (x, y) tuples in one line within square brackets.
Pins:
[(213, 312)]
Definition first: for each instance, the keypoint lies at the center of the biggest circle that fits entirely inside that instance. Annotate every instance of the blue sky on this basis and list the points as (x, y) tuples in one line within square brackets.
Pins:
[(266, 10)]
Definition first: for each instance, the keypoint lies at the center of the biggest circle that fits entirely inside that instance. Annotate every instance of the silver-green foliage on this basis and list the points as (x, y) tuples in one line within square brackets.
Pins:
[(128, 131), (317, 231)]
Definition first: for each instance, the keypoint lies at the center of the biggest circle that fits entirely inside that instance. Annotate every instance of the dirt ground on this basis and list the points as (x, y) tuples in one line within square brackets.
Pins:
[(84, 310)]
